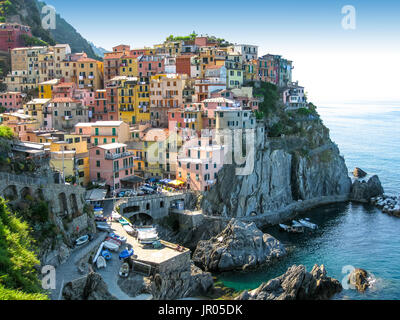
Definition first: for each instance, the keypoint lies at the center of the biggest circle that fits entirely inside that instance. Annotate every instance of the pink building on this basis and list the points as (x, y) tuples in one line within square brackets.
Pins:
[(211, 105), (11, 35), (198, 165), (11, 100), (110, 163), (150, 65)]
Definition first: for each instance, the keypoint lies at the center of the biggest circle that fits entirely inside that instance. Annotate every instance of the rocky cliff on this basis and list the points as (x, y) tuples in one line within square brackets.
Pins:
[(302, 167), (239, 246), (296, 284)]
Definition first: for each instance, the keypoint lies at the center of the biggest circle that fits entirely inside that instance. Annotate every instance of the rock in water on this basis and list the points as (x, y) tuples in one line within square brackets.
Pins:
[(91, 287), (296, 284), (359, 173), (239, 246), (363, 191), (359, 279)]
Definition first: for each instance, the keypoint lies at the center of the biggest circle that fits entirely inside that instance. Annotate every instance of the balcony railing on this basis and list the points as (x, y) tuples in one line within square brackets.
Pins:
[(114, 156)]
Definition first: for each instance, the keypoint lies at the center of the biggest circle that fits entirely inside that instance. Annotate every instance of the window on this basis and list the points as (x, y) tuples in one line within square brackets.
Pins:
[(97, 152), (98, 163)]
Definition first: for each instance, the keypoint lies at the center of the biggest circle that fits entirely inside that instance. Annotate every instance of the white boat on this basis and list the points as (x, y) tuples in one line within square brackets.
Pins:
[(101, 262), (111, 246), (308, 224), (103, 226), (147, 235), (115, 216), (82, 240), (284, 227), (129, 230)]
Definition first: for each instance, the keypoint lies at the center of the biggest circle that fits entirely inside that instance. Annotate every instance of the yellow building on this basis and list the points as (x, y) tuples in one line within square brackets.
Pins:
[(35, 109), (90, 74), (73, 150), (134, 100), (129, 66), (46, 88)]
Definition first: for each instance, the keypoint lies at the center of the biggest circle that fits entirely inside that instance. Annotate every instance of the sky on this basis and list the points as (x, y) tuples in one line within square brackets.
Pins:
[(334, 64)]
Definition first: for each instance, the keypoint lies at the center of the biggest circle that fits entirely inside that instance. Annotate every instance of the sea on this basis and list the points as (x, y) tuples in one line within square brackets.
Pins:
[(350, 235)]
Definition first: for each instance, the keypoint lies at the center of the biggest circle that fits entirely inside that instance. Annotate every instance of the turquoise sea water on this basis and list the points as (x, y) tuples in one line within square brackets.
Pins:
[(350, 234)]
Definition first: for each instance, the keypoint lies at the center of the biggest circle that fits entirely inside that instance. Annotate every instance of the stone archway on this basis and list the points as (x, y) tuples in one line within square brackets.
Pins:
[(39, 194), (74, 205), (62, 199), (10, 193), (26, 193), (141, 219)]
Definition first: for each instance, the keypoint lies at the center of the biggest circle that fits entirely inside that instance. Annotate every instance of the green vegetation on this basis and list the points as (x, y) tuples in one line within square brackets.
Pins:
[(221, 42), (33, 41), (18, 276), (269, 93), (6, 133), (191, 36)]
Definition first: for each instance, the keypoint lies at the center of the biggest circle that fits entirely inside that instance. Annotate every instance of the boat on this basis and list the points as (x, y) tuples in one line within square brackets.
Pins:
[(82, 240), (297, 227), (129, 230), (126, 253), (308, 224), (100, 218), (111, 246), (124, 270), (115, 216), (147, 235), (103, 226), (101, 262), (117, 237), (124, 222), (106, 254), (284, 227), (117, 242)]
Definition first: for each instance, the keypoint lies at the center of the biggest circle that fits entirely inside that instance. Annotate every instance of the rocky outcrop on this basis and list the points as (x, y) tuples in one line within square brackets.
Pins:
[(359, 173), (359, 279), (181, 284), (296, 284), (388, 204), (91, 287), (363, 191), (286, 170), (239, 246)]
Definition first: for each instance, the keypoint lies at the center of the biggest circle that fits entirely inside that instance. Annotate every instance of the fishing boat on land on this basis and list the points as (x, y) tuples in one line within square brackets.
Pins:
[(101, 262), (111, 246), (106, 254), (124, 270), (82, 240), (126, 254), (308, 224), (124, 222), (103, 226)]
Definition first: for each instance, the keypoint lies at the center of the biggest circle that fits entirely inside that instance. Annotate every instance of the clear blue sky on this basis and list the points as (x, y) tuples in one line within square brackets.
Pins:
[(327, 58)]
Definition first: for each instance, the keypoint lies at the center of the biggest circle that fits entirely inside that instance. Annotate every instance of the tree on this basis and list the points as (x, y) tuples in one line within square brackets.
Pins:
[(18, 276)]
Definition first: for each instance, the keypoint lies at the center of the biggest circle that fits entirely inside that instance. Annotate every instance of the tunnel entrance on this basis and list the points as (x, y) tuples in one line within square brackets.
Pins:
[(141, 219)]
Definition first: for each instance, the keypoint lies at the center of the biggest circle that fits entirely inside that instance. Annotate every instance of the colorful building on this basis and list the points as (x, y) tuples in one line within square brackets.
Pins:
[(110, 163)]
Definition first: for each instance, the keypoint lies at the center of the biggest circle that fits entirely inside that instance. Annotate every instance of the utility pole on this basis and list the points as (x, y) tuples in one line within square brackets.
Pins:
[(63, 176)]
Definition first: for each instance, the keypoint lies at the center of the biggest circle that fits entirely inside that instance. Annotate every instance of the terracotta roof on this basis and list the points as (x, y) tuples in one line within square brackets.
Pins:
[(63, 100), (113, 55)]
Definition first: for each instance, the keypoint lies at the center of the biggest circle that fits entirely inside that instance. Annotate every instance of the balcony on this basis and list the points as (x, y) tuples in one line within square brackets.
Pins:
[(66, 118), (114, 156), (91, 77)]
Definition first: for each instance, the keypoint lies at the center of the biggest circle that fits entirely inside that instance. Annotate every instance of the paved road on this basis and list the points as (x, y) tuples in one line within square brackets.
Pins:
[(69, 270)]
